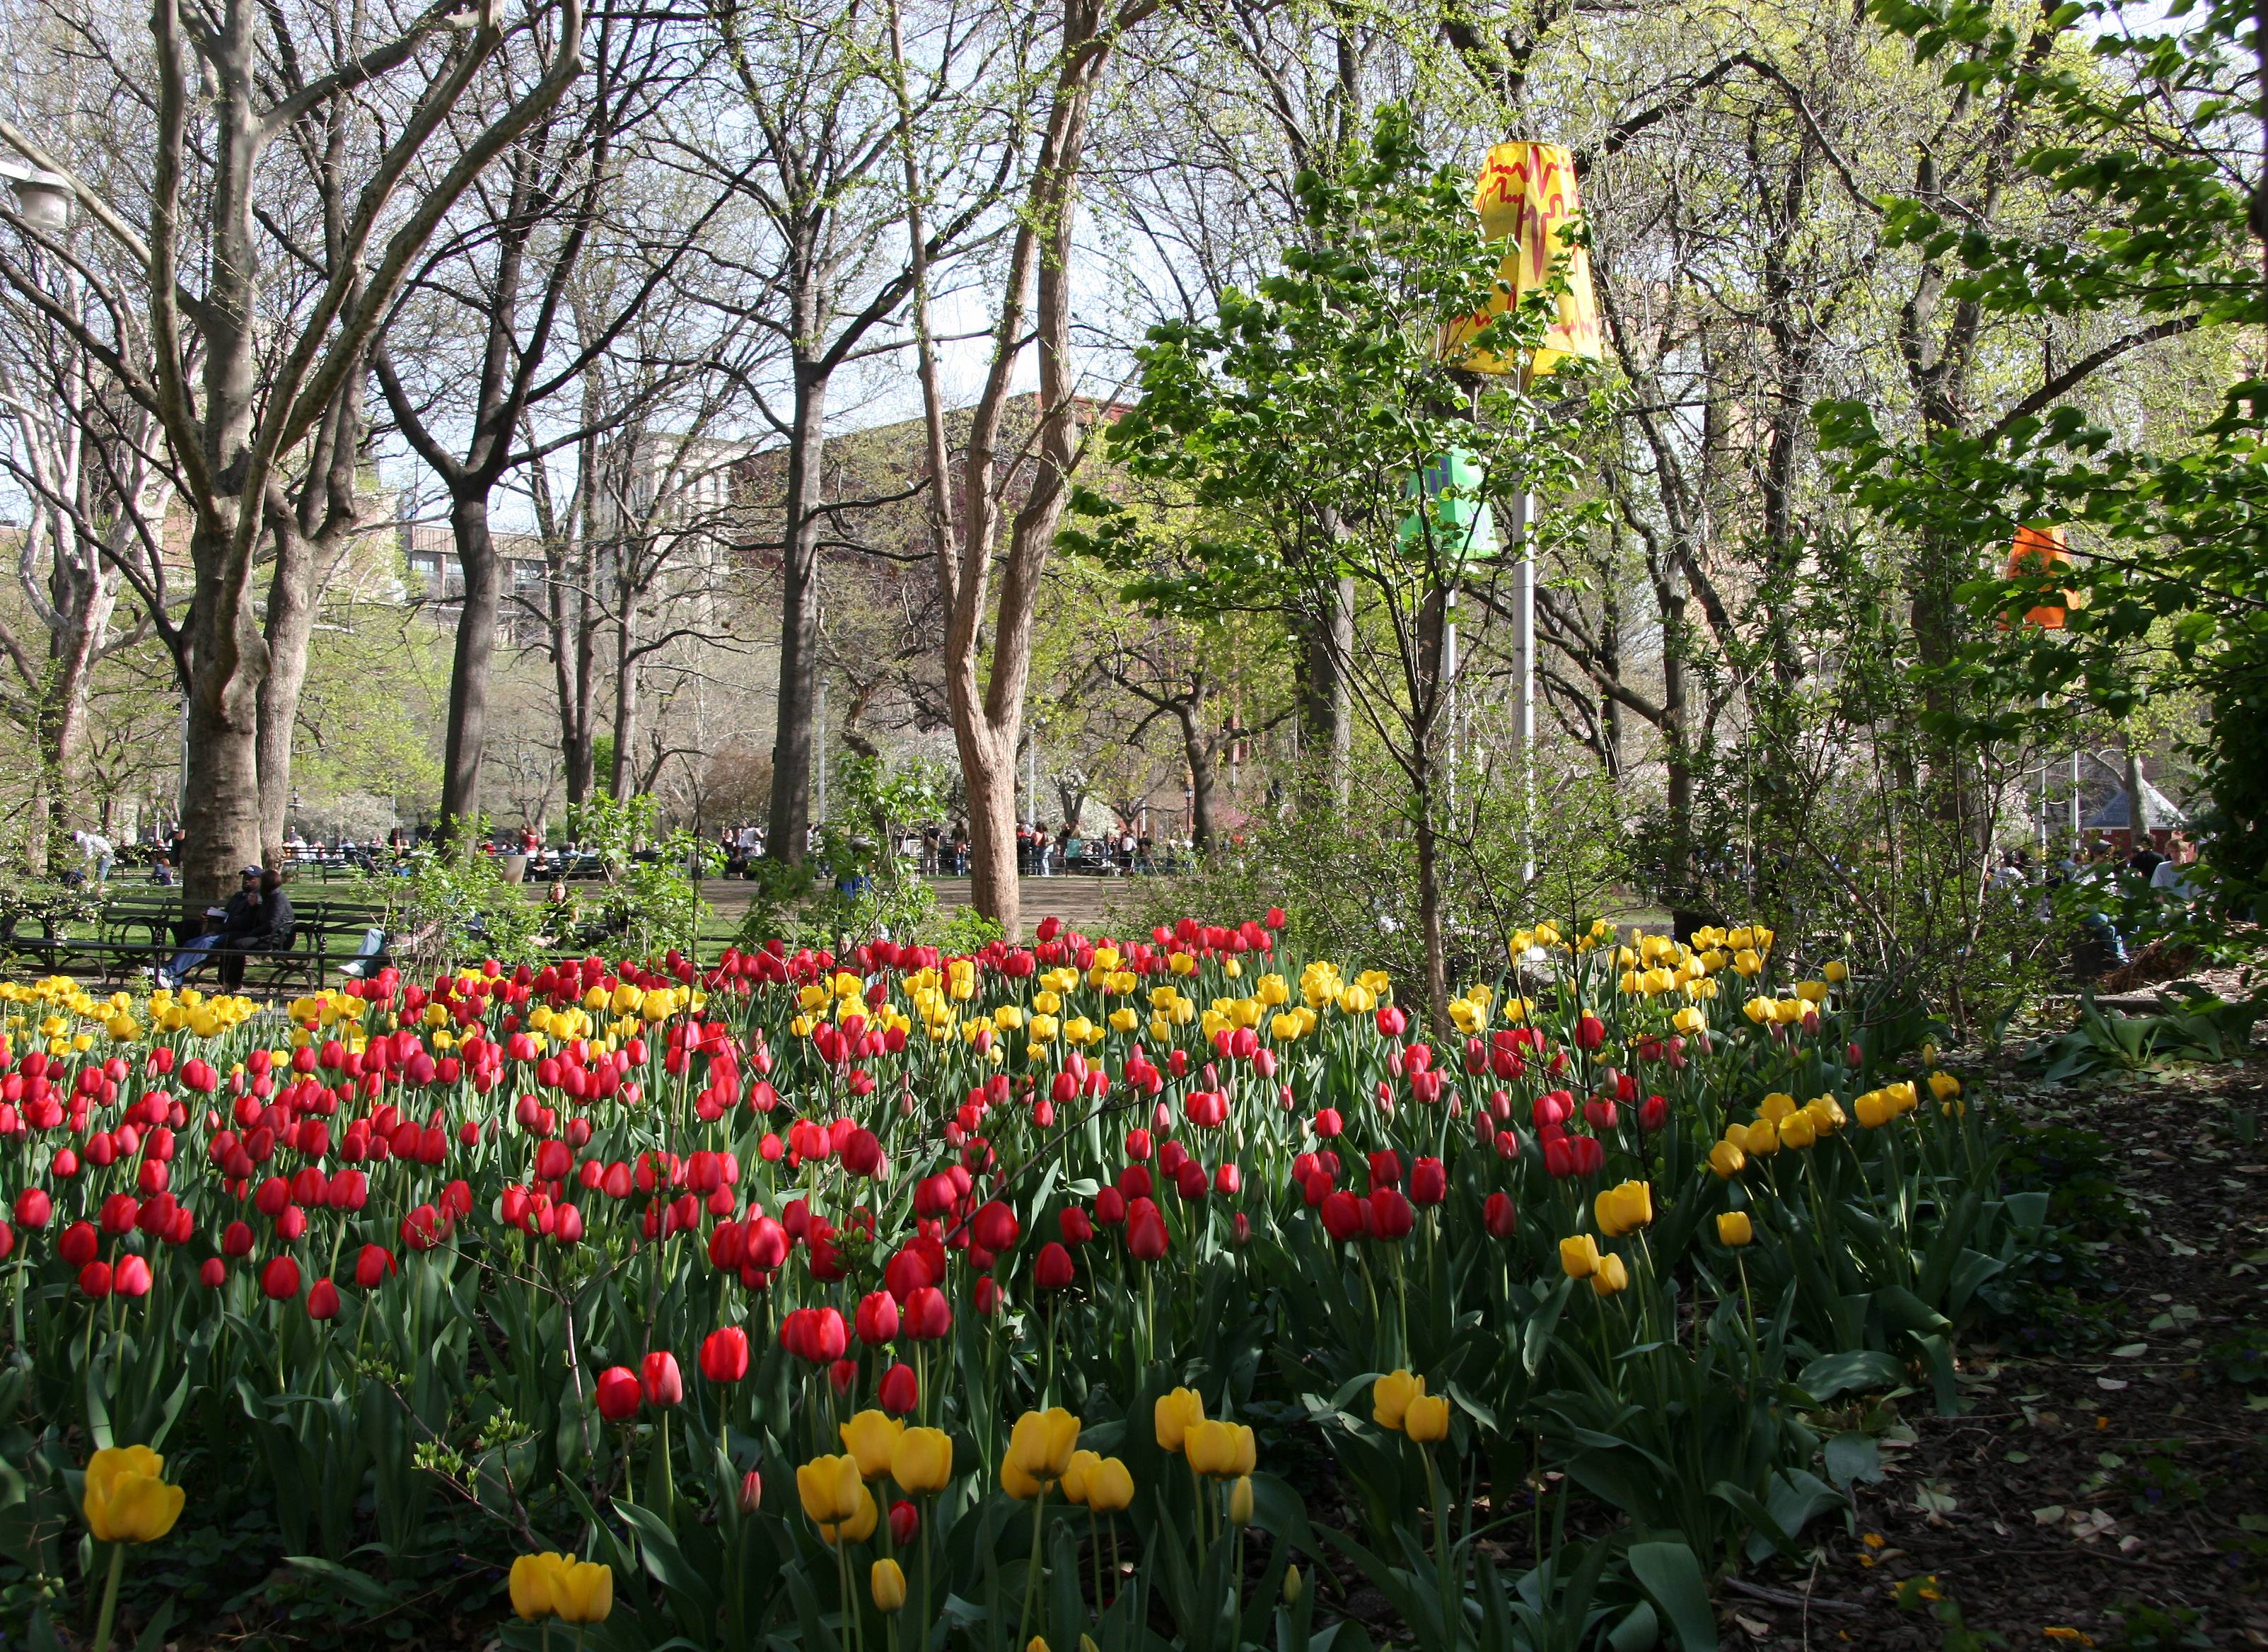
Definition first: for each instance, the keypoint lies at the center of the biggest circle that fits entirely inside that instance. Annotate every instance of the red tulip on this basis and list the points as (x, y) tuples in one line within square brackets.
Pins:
[(988, 1297), (373, 1265), (905, 1521), (1227, 1180), (1498, 1216), (842, 1376), (7, 1240), (1109, 1207), (1076, 1226), (1385, 1168), (1341, 1214), (994, 1226), (619, 1393), (323, 1301), (1654, 1113), (877, 1321), (1590, 1031), (1429, 1182), (1390, 1215), (94, 1280), (901, 1390), (725, 1354), (213, 1273), (1392, 1022), (1146, 1239), (279, 1281), (752, 1491), (34, 1207), (1327, 1123), (660, 1380), (79, 1244), (1053, 1270), (928, 1316), (131, 1277)]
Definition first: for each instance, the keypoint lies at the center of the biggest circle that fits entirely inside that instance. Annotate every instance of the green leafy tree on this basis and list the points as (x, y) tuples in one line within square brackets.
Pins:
[(1303, 420), (2144, 123)]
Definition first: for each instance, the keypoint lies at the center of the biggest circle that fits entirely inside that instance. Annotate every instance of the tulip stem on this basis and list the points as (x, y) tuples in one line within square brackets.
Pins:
[(1032, 1573), (109, 1599)]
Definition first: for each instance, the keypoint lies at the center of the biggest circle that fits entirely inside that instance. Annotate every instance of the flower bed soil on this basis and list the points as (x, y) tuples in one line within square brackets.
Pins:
[(2108, 1482)]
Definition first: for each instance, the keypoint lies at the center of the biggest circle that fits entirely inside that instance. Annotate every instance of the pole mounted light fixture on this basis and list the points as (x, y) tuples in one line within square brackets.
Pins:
[(43, 199)]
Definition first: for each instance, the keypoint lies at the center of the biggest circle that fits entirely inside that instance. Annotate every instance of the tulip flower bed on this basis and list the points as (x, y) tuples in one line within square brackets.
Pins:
[(1167, 1288)]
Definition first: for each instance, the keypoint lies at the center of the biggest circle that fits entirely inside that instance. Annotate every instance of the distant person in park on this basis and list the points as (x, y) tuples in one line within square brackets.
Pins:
[(161, 870), (241, 925), (97, 851)]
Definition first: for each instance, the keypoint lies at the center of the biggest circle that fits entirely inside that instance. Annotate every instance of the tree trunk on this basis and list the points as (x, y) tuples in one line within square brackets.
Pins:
[(1326, 703), (221, 802), (291, 623), (1198, 749), (1429, 915), (798, 674), (623, 780), (988, 768), (468, 667)]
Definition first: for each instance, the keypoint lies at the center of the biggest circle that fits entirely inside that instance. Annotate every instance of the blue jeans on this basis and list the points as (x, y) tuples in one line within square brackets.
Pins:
[(191, 955)]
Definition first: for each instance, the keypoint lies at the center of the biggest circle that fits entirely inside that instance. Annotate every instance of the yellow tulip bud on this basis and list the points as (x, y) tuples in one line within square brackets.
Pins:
[(1294, 1586), (921, 1461), (1836, 972), (531, 1584), (1109, 1487), (1610, 1277), (1944, 1085), (1428, 1418), (1734, 1229), (582, 1591), (1579, 1256), (1174, 1413), (1219, 1450), (871, 1437), (886, 1581), (1727, 1160), (1041, 1445), (126, 1498), (1391, 1396), (1240, 1501)]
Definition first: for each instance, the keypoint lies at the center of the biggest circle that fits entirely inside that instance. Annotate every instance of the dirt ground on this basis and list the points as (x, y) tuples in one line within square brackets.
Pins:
[(2107, 1484)]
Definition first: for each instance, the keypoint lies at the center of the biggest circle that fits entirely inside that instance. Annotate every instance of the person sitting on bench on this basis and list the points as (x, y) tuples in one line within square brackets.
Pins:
[(248, 923), (272, 932)]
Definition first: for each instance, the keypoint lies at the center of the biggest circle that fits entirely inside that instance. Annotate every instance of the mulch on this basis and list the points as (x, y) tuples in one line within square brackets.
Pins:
[(2107, 1482)]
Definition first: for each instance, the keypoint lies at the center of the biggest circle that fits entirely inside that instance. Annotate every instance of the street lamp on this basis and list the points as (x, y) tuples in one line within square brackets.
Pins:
[(42, 198)]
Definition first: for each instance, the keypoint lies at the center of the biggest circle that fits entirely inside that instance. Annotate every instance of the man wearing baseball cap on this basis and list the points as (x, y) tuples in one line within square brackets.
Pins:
[(241, 917)]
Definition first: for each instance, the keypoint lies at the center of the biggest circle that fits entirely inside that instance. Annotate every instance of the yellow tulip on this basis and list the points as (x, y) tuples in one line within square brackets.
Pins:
[(1041, 1445), (871, 1437), (1610, 1277), (1797, 1129), (531, 1584), (1109, 1487), (886, 1580), (1944, 1085), (1763, 1139), (1173, 1415), (829, 1488), (582, 1591), (1727, 1160), (1073, 1485), (1775, 1106), (920, 1460), (1734, 1229), (1221, 1450), (1391, 1396), (1294, 1586), (127, 1499), (1240, 1501), (1579, 1256), (1624, 1209), (1836, 972), (1428, 1418), (1872, 1109)]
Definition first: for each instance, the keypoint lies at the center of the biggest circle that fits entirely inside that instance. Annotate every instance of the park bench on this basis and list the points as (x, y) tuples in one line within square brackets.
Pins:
[(140, 930)]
